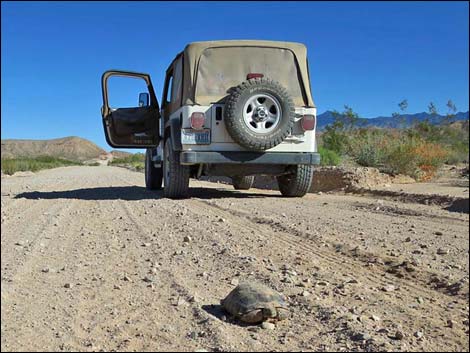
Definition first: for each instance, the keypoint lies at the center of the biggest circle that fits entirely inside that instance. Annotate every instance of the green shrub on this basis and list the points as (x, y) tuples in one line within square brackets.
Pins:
[(369, 147), (402, 159), (135, 161), (334, 140), (23, 164), (134, 158), (328, 157)]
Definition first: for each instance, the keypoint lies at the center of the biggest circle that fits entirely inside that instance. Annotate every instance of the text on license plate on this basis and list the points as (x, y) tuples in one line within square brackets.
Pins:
[(192, 137)]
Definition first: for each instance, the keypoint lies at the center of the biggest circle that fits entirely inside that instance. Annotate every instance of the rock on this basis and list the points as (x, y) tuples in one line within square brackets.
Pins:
[(45, 270), (420, 300), (68, 285), (305, 293), (268, 325), (362, 318), (441, 251), (419, 334), (147, 279), (147, 245), (117, 287), (375, 318), (399, 335), (322, 283), (438, 233), (194, 299), (126, 278), (351, 281), (221, 220), (234, 282), (180, 301), (360, 336), (408, 239), (187, 239), (388, 288)]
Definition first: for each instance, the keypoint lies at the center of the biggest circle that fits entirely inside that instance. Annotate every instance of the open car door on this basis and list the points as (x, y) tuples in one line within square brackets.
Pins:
[(131, 127)]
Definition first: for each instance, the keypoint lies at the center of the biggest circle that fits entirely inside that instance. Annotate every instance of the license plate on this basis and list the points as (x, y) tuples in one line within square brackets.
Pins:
[(192, 137)]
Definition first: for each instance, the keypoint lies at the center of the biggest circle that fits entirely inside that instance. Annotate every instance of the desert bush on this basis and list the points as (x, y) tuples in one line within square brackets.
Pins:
[(417, 151), (135, 161), (334, 140), (415, 157), (23, 164), (134, 158), (328, 157), (430, 157), (369, 147)]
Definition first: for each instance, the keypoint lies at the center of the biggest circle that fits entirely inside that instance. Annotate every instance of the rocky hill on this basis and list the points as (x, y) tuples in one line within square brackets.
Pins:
[(72, 148)]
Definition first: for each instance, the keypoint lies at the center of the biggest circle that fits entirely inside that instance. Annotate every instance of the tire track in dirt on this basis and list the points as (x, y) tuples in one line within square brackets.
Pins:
[(285, 233), (172, 279), (378, 272), (90, 322), (30, 289), (357, 270), (115, 229), (37, 229)]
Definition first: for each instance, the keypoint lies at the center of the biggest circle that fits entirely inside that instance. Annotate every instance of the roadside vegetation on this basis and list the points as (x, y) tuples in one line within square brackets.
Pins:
[(134, 162), (417, 151), (23, 164)]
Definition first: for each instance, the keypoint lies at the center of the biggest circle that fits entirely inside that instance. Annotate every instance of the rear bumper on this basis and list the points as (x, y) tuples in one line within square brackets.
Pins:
[(287, 158)]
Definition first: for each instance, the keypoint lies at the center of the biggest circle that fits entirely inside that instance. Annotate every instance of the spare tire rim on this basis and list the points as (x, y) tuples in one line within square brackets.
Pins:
[(262, 113)]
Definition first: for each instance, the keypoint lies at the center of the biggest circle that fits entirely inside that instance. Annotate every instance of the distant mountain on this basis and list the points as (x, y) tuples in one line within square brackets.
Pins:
[(405, 120), (72, 148)]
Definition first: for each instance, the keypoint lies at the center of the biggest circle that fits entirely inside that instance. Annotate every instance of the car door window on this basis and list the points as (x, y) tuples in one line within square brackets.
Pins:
[(177, 83), (169, 89), (123, 92)]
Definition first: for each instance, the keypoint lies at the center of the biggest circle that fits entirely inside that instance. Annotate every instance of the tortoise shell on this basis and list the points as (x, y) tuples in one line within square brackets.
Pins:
[(254, 303)]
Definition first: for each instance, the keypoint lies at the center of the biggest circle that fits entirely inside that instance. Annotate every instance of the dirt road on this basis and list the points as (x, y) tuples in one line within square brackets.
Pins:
[(92, 261)]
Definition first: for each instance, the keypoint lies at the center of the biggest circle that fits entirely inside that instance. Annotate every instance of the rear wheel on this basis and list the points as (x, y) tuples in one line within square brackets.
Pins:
[(176, 176), (243, 183), (297, 183), (153, 175)]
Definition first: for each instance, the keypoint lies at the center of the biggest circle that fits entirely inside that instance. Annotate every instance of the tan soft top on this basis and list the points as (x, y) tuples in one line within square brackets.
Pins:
[(194, 51)]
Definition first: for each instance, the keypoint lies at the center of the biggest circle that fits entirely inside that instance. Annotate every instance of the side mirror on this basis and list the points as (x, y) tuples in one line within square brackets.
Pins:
[(143, 99)]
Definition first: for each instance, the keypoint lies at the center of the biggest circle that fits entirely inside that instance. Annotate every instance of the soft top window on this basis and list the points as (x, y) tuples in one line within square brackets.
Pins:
[(222, 68)]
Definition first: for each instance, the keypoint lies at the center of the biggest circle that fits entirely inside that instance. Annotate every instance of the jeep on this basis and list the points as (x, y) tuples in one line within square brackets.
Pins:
[(229, 108)]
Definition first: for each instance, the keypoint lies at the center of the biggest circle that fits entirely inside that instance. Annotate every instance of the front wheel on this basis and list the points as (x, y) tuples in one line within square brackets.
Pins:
[(297, 183), (176, 176), (243, 183), (153, 175)]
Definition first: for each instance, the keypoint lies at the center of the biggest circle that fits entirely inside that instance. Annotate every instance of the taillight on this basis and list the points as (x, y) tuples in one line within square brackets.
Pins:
[(308, 122), (197, 120), (253, 75)]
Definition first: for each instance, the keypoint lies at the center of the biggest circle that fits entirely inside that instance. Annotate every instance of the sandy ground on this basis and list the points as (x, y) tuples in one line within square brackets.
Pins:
[(92, 261)]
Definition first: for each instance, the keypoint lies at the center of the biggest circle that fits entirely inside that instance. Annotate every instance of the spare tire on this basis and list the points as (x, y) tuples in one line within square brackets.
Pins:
[(259, 114)]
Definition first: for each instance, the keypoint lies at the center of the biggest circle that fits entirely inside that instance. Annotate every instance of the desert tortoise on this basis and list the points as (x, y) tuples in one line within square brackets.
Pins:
[(254, 303)]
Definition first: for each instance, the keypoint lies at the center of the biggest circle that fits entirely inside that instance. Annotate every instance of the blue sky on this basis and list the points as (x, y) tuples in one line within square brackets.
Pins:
[(369, 55)]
